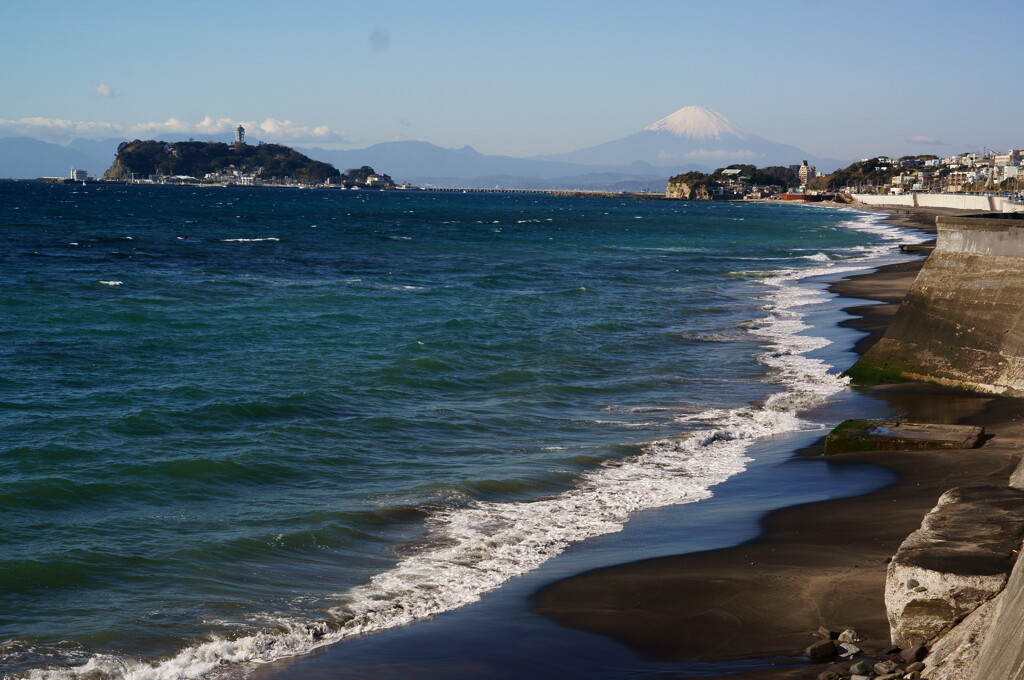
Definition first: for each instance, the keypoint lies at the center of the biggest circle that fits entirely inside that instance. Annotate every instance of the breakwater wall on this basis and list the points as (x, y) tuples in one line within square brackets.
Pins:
[(962, 324), (962, 321), (999, 204)]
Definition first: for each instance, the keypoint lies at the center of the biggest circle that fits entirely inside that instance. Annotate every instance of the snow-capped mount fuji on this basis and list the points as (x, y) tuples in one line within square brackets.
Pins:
[(698, 122), (692, 135)]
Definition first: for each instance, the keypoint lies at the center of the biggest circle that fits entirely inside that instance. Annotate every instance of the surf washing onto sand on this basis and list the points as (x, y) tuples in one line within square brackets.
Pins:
[(612, 368)]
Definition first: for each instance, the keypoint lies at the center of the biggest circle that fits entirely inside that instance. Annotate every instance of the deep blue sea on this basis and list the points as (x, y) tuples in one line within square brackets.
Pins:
[(241, 423)]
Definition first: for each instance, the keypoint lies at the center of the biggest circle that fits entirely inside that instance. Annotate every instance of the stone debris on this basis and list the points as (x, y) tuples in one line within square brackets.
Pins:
[(850, 650), (914, 654), (886, 435), (885, 668), (849, 635), (862, 668), (889, 663), (819, 651)]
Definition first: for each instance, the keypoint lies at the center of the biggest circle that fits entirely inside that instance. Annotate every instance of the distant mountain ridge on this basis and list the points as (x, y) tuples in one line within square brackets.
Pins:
[(693, 134), (27, 158), (426, 164), (692, 138)]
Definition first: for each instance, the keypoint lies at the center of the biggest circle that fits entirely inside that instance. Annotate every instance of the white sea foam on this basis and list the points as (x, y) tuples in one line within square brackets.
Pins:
[(248, 240), (627, 423), (112, 283), (477, 548)]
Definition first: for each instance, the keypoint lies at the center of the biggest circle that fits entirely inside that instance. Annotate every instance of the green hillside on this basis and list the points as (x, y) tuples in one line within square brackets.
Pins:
[(197, 159)]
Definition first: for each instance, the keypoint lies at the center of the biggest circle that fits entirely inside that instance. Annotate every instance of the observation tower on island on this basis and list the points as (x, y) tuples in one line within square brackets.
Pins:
[(239, 135)]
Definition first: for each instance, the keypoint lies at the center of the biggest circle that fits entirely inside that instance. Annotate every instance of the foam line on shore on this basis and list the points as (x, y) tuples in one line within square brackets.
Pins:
[(475, 549)]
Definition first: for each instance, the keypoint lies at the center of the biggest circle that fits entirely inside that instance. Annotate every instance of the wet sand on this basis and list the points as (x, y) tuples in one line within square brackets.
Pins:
[(820, 564)]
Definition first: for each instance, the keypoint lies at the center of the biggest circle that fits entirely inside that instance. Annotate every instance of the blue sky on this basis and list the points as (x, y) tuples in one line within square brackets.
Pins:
[(523, 78)]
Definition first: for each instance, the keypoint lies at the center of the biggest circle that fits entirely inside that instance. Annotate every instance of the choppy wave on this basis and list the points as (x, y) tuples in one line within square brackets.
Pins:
[(473, 549)]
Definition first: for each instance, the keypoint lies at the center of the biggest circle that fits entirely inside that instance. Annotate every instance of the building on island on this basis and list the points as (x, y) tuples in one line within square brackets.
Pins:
[(806, 173), (78, 175), (239, 135)]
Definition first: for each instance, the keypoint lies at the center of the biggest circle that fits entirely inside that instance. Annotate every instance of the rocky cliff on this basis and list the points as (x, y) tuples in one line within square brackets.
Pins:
[(687, 188), (118, 171)]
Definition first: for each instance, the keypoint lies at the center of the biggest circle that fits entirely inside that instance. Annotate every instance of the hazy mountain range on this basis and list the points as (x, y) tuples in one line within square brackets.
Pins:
[(692, 138)]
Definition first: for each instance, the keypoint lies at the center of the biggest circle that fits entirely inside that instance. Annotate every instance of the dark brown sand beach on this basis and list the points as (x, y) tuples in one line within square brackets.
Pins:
[(820, 564)]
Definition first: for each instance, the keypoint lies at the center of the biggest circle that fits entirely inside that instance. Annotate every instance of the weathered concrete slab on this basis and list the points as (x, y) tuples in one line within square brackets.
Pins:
[(959, 558), (917, 247), (961, 323), (885, 435)]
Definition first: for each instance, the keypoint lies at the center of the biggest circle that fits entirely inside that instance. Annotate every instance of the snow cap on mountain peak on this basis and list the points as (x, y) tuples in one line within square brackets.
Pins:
[(697, 121)]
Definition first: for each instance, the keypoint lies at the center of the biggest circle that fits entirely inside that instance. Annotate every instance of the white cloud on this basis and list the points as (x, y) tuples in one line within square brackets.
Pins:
[(920, 139), (104, 90), (62, 131)]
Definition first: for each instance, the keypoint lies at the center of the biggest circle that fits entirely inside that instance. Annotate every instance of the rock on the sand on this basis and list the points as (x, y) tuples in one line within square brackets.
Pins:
[(821, 650), (862, 668)]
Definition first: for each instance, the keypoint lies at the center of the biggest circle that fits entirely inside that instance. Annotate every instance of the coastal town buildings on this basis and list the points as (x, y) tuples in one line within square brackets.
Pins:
[(991, 172)]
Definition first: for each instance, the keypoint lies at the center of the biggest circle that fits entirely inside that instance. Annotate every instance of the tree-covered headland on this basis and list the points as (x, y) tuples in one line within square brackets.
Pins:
[(267, 162)]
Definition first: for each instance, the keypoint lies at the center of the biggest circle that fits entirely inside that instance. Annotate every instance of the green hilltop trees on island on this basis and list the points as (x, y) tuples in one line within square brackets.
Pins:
[(198, 159), (219, 162)]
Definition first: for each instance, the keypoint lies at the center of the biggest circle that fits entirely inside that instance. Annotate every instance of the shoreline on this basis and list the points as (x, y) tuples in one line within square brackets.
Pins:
[(818, 564), (809, 479)]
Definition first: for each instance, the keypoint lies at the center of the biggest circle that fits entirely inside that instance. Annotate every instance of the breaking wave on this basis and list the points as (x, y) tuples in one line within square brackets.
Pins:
[(475, 549)]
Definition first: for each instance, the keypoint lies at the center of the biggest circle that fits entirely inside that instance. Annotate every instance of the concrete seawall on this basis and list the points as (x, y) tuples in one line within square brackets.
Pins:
[(998, 204), (962, 322)]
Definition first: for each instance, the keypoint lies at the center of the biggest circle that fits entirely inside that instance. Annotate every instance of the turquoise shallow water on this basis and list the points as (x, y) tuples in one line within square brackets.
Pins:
[(282, 417)]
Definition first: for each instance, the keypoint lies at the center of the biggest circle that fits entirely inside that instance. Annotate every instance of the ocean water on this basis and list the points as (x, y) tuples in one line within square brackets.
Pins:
[(239, 424)]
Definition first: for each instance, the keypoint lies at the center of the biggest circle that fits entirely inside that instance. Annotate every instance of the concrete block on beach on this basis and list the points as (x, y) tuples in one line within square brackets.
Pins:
[(917, 247), (886, 435), (960, 558)]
